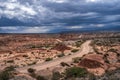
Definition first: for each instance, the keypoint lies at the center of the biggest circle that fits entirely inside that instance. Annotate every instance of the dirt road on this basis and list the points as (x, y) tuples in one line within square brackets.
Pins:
[(85, 49)]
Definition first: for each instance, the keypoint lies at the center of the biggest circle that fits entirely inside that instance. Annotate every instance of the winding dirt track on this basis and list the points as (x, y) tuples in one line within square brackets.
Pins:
[(85, 49)]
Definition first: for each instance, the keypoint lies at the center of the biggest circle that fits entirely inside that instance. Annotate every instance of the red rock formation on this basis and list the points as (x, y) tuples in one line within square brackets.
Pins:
[(61, 47), (87, 63)]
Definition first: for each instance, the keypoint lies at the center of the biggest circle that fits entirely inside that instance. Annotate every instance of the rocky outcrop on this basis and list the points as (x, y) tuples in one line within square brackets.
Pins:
[(94, 63), (61, 47), (87, 63)]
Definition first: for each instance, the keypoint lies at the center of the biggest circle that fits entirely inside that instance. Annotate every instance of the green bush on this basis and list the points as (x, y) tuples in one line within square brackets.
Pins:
[(64, 64), (31, 70), (74, 50), (56, 76), (113, 50), (75, 72), (48, 59), (25, 55), (40, 78), (92, 76), (76, 60), (10, 68), (78, 44), (61, 55), (6, 73), (10, 61)]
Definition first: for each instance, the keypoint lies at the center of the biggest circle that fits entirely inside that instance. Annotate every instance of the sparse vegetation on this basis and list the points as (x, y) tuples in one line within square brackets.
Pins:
[(25, 55), (75, 72), (61, 55), (105, 58), (38, 48), (10, 61), (40, 78), (76, 60), (31, 70), (6, 74), (64, 64), (48, 59), (74, 50), (56, 76), (78, 43), (112, 50)]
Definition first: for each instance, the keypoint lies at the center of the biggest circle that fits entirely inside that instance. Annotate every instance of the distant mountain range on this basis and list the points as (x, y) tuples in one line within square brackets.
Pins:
[(115, 28)]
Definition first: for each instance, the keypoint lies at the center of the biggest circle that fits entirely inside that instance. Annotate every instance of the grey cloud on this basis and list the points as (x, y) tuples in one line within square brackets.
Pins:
[(58, 13)]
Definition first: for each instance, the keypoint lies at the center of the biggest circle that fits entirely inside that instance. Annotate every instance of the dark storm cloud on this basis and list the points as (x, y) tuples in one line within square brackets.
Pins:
[(52, 15)]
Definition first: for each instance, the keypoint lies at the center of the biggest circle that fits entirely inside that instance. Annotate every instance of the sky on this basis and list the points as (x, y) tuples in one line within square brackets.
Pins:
[(49, 16)]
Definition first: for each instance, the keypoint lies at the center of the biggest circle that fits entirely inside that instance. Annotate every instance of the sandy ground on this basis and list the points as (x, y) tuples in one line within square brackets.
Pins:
[(85, 49)]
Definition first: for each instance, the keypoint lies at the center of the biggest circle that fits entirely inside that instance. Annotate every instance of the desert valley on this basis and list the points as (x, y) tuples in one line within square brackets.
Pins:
[(62, 56)]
